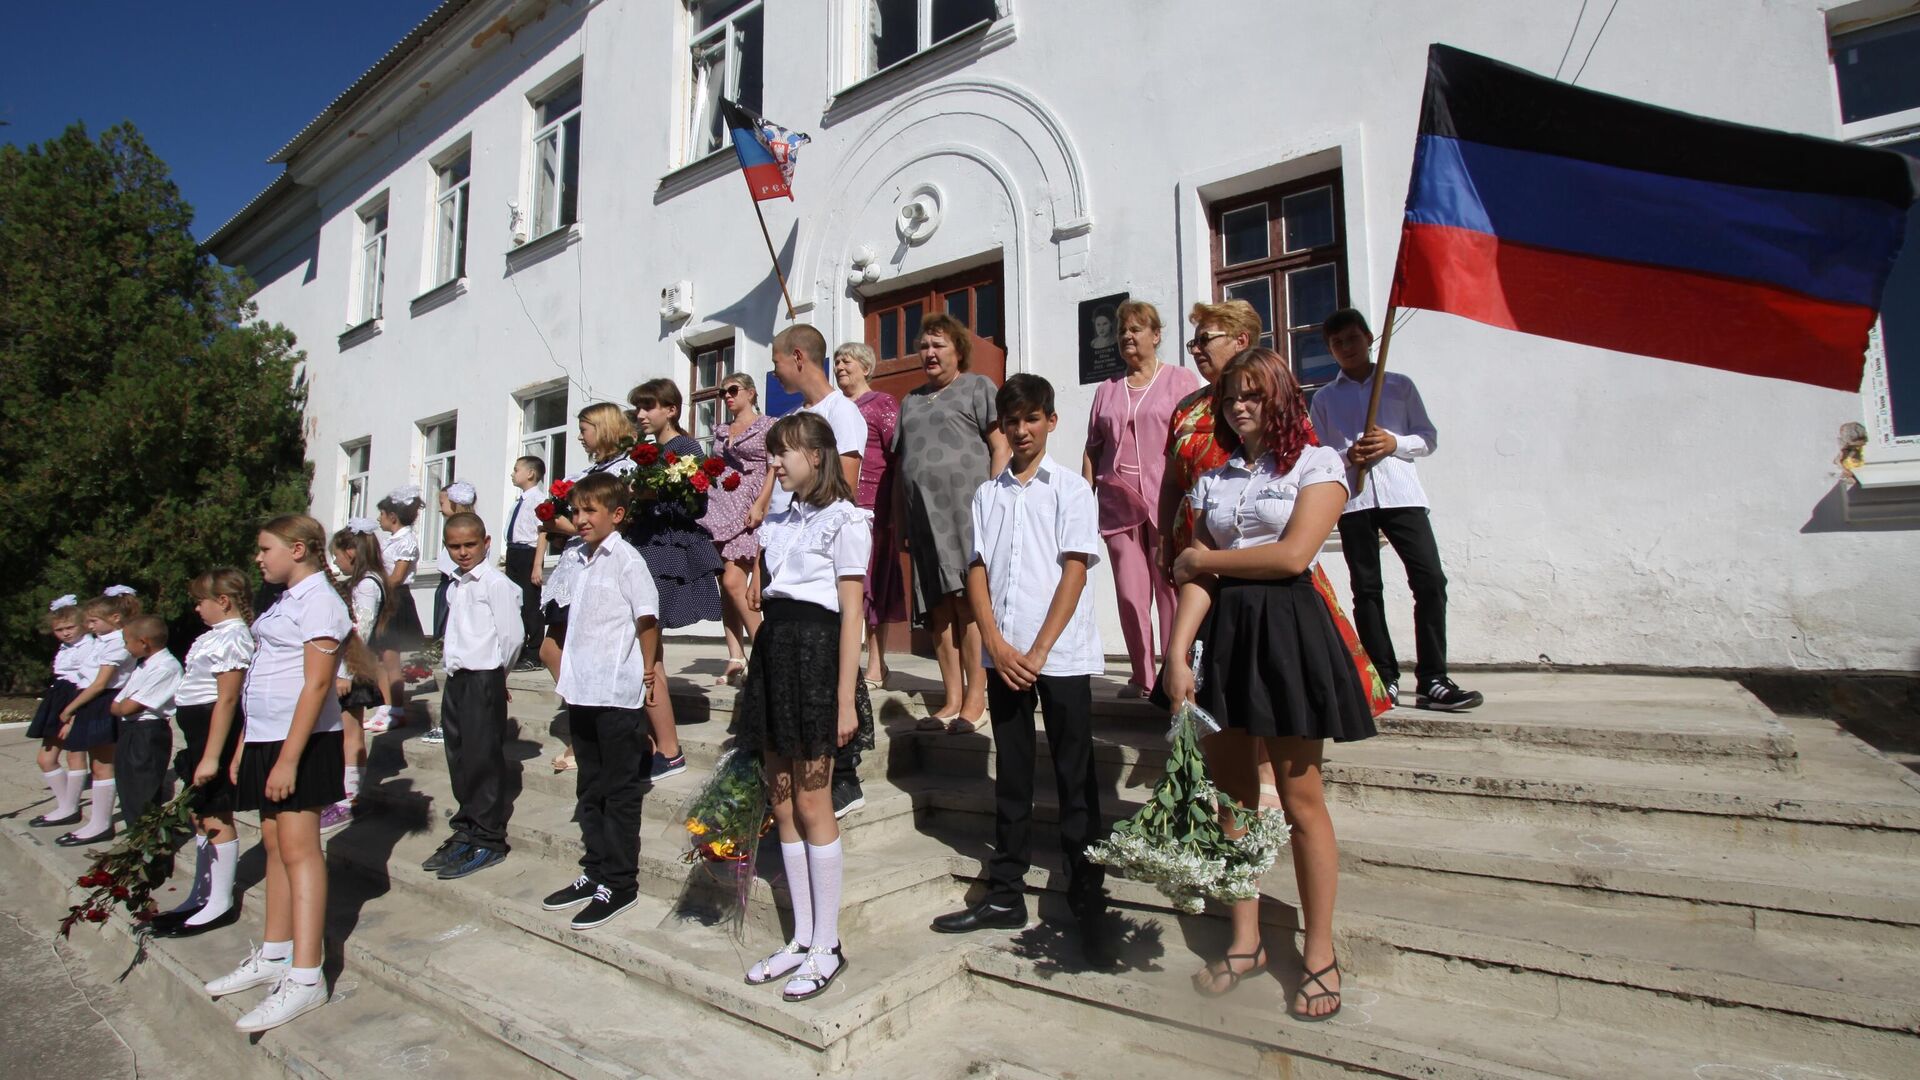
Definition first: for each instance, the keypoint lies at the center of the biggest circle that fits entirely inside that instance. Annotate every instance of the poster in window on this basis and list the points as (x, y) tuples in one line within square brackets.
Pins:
[(1100, 339)]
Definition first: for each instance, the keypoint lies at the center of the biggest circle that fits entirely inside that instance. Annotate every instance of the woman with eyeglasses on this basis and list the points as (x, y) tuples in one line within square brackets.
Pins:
[(742, 442)]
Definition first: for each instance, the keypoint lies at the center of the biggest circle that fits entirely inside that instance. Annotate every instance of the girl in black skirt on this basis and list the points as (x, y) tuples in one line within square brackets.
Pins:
[(70, 673), (1274, 668), (208, 713), (814, 565), (401, 633), (290, 766), (364, 590), (679, 553), (88, 729)]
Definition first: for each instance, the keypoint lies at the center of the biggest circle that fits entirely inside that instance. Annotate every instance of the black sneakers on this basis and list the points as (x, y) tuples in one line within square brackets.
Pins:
[(604, 906), (448, 852), (472, 859), (573, 895), (1443, 696), (847, 796)]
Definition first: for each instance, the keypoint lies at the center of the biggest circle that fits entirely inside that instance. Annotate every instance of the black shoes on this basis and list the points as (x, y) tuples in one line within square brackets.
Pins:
[(604, 906), (76, 840), (1442, 695), (573, 895), (472, 859), (448, 852), (45, 822), (180, 928), (847, 796), (981, 916)]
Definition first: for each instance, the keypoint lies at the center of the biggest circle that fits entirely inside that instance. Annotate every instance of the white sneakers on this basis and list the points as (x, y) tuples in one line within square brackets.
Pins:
[(288, 1000)]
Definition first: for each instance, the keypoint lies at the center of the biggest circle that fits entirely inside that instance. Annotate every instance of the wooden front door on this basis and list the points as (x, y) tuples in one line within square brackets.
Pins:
[(976, 297)]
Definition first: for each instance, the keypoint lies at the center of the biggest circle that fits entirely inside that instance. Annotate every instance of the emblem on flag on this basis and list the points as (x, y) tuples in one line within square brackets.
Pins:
[(767, 151)]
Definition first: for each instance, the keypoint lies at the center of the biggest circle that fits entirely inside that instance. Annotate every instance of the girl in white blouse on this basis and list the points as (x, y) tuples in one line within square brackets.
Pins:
[(400, 633), (88, 729), (290, 766), (357, 554), (813, 563), (1274, 667), (214, 675), (70, 673)]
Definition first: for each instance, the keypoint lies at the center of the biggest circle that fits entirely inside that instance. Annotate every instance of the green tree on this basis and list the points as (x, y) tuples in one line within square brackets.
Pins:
[(148, 419)]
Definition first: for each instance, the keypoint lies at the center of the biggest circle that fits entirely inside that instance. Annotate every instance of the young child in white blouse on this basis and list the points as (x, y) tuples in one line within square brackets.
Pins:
[(290, 767), (363, 587), (1036, 533), (613, 629), (207, 708), (803, 701), (88, 728), (482, 641), (401, 633), (70, 673), (145, 709)]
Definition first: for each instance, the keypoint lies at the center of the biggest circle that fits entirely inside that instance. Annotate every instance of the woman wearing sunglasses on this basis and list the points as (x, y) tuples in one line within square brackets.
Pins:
[(742, 442)]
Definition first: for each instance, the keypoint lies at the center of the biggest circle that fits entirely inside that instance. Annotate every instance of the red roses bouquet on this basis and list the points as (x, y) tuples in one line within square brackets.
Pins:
[(669, 478), (557, 504)]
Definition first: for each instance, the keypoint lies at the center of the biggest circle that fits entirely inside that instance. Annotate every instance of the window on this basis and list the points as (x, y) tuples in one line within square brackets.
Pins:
[(373, 262), (727, 47), (450, 220), (897, 30), (1877, 75), (711, 365), (436, 445), (544, 430), (1281, 250), (975, 297), (556, 159), (359, 455)]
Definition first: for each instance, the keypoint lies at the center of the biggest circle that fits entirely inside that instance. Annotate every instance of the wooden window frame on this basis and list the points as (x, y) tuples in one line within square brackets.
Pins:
[(1279, 262)]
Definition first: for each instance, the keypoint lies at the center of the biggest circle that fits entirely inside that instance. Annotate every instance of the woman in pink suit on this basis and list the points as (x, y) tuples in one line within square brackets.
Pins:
[(1124, 461), (853, 368)]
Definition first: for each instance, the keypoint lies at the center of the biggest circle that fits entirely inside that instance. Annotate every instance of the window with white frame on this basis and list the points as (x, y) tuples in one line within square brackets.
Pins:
[(544, 430), (373, 262), (356, 457), (893, 31), (437, 438), (556, 158), (711, 366), (450, 218), (1877, 75), (727, 45)]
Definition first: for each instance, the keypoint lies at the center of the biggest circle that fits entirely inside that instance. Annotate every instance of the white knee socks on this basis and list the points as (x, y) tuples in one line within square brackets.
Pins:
[(100, 811), (823, 874), (197, 896), (76, 780), (57, 783), (794, 855), (353, 781), (219, 881)]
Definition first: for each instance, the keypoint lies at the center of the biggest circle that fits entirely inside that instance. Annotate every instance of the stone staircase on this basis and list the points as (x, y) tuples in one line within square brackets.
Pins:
[(1591, 876)]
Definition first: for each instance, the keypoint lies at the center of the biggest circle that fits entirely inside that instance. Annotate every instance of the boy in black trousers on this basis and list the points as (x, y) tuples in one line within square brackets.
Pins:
[(482, 638), (1036, 534)]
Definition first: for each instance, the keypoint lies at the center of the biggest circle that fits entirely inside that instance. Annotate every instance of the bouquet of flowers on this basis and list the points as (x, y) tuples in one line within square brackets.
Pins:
[(1177, 843), (127, 873), (729, 815), (557, 504), (670, 478)]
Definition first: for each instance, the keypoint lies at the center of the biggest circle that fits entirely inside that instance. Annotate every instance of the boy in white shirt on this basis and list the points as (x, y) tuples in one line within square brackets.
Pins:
[(145, 708), (1035, 535), (523, 554), (456, 498), (605, 679), (482, 640)]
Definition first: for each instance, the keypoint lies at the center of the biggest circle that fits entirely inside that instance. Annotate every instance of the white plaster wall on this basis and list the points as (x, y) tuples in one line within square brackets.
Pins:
[(1592, 507)]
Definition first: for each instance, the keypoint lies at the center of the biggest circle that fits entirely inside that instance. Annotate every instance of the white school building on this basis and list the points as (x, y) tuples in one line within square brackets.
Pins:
[(527, 206)]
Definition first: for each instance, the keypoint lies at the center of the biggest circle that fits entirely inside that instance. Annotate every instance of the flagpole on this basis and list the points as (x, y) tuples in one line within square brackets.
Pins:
[(777, 272), (1373, 398)]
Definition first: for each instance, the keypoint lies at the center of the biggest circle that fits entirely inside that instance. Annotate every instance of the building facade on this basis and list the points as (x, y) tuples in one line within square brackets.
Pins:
[(529, 205)]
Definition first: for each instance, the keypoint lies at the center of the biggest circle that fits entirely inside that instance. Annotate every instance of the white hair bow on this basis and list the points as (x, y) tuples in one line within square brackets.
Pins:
[(461, 493), (362, 525), (405, 493), (66, 601), (119, 590)]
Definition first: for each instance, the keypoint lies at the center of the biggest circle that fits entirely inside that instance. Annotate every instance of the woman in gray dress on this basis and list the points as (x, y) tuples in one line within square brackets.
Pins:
[(949, 443)]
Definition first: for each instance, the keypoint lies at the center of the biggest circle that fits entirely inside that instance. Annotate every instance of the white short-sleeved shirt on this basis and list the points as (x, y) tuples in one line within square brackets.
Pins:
[(849, 426), (364, 609), (810, 548), (1243, 506), (484, 631), (523, 525), (70, 661), (558, 587), (306, 612), (1022, 533), (226, 646), (109, 649), (603, 663), (154, 684), (401, 545)]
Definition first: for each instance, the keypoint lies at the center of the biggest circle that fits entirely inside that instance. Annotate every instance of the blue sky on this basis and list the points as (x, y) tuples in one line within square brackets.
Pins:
[(215, 86)]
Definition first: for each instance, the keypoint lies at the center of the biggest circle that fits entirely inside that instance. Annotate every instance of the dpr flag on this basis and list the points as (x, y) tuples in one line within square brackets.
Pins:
[(767, 151), (1568, 213)]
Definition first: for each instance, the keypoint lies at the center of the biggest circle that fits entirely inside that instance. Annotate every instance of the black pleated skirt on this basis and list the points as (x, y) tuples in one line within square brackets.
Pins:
[(1274, 664), (196, 721), (320, 780), (46, 716), (402, 633), (361, 695), (790, 704), (93, 724)]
